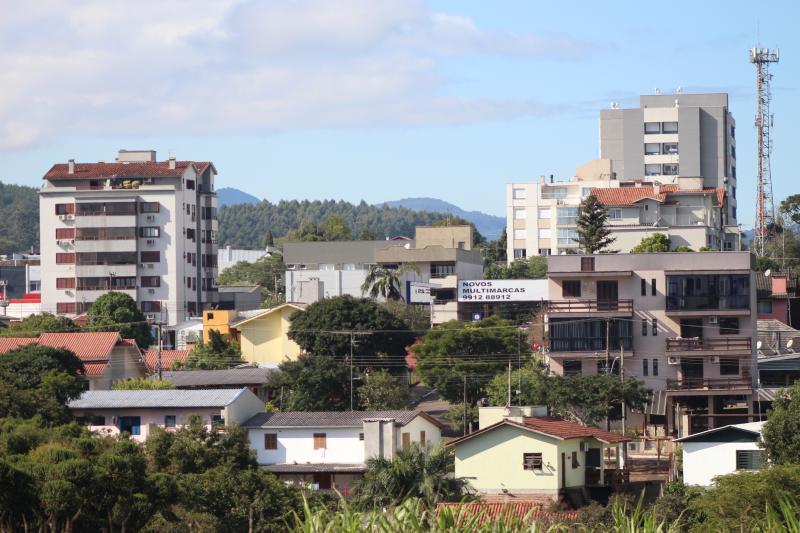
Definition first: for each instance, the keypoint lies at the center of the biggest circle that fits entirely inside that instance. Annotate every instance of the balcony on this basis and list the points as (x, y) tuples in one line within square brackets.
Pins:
[(603, 307), (708, 384), (712, 346)]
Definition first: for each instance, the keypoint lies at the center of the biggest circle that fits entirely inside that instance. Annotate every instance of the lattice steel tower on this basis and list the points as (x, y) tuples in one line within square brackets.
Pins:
[(765, 208)]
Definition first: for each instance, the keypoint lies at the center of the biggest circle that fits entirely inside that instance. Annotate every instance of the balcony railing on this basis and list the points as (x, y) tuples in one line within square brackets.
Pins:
[(722, 344), (708, 384), (590, 306)]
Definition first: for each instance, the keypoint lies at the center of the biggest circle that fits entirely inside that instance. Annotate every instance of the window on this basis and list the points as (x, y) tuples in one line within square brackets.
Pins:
[(169, 421), (146, 232), (349, 266), (544, 213), (749, 459), (733, 130), (320, 441), (670, 148), (65, 209), (520, 253), (190, 234), (575, 463), (669, 127), (520, 213), (270, 441), (150, 257), (66, 308), (65, 233), (733, 191), (441, 270), (764, 307), (555, 193), (567, 236), (65, 283), (652, 169), (34, 285), (520, 234), (652, 127), (149, 207), (151, 307), (544, 251), (653, 289), (644, 327), (361, 436), (532, 461), (587, 264), (652, 148), (518, 194), (406, 437), (573, 367), (566, 215), (571, 288), (645, 371), (544, 233), (655, 327), (217, 421), (655, 367), (327, 266), (151, 281), (644, 287), (585, 335), (422, 438), (708, 292), (190, 184), (729, 366), (65, 258), (615, 213), (728, 325), (670, 169), (585, 191)]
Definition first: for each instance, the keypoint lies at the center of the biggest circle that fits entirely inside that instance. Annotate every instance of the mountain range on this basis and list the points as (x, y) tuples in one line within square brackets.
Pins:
[(490, 226), (231, 196)]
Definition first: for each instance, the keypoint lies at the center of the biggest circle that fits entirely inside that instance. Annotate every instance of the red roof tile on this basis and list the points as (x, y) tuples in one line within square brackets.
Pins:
[(145, 169), (9, 343), (507, 513), (621, 196), (565, 429), (87, 346), (167, 358), (95, 368)]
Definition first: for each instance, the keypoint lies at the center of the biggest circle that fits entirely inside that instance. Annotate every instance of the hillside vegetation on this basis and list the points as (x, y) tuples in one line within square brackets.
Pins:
[(246, 225), (19, 211)]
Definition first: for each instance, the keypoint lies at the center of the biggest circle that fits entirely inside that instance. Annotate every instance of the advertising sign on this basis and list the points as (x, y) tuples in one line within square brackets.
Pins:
[(502, 290), (419, 292)]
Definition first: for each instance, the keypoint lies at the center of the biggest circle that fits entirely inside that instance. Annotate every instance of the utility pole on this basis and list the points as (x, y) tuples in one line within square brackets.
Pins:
[(608, 368), (352, 341), (508, 403), (160, 340), (622, 380), (465, 404)]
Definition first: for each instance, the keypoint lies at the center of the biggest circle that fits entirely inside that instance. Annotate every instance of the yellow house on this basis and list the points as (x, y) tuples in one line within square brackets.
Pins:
[(527, 457), (219, 320), (263, 337)]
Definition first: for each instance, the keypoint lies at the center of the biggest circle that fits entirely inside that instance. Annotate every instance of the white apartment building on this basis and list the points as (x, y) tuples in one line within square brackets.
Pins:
[(141, 226)]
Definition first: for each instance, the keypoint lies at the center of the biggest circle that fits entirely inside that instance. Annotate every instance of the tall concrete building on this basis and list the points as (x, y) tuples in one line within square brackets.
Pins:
[(140, 226)]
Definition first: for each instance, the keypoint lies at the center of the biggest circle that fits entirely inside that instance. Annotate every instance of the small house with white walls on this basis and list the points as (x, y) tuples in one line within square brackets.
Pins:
[(329, 450), (721, 451)]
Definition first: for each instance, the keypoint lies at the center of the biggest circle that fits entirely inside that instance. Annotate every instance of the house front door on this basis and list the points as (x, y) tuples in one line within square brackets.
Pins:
[(563, 470), (131, 424), (323, 479), (607, 296)]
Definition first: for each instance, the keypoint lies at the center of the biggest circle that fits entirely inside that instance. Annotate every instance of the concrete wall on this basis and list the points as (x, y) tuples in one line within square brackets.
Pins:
[(265, 340), (334, 283), (445, 236), (297, 445), (432, 432), (703, 461), (149, 418)]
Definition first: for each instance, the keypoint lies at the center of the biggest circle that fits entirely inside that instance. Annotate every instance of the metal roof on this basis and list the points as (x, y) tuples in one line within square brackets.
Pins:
[(208, 378), (329, 419), (334, 252), (126, 399), (750, 428)]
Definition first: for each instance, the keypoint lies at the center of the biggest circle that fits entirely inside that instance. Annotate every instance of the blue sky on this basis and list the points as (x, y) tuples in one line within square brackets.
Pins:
[(374, 99)]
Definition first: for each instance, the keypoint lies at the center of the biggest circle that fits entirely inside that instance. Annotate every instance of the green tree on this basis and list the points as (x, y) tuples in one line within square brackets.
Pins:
[(268, 272), (781, 433), (335, 229), (34, 325), (790, 206), (143, 384), (417, 318), (38, 380), (367, 234), (494, 252), (116, 311), (269, 239), (381, 392), (682, 248), (311, 383), (657, 242), (534, 267), (592, 227), (764, 263), (590, 399), (324, 329), (219, 352), (528, 386), (414, 472), (458, 355), (385, 282)]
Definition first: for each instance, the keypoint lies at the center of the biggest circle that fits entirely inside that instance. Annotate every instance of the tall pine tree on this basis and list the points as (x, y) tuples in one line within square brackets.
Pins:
[(593, 233)]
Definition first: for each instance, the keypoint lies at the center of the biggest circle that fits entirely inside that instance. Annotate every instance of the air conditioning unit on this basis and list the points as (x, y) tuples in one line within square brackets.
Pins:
[(62, 242), (713, 319), (151, 291), (151, 241), (62, 217), (151, 218), (70, 217), (584, 446), (672, 360), (150, 316), (715, 359)]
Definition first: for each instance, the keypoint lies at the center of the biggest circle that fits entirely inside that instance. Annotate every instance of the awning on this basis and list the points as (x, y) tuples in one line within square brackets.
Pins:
[(657, 404)]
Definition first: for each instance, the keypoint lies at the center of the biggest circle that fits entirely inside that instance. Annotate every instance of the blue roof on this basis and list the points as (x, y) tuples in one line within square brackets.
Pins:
[(154, 399)]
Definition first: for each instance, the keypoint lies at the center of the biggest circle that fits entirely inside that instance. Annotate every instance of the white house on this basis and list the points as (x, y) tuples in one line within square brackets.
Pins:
[(138, 412), (721, 451), (329, 449)]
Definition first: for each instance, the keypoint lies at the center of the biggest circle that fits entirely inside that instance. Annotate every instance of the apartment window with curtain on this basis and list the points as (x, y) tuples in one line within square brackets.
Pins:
[(652, 127), (518, 194), (655, 367), (571, 288), (520, 213), (644, 368), (544, 213), (644, 287)]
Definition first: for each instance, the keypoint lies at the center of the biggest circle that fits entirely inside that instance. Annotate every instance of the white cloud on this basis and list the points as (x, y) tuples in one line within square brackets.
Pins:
[(97, 67)]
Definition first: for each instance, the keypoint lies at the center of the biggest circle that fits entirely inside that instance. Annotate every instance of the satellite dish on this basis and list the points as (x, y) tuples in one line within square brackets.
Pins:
[(768, 272), (407, 246), (758, 345), (789, 344)]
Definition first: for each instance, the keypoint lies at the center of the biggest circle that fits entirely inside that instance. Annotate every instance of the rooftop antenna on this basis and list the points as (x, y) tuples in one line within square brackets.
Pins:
[(679, 90), (765, 208), (658, 91)]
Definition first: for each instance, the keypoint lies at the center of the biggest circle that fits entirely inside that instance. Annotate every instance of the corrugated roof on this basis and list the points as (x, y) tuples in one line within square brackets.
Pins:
[(247, 316), (87, 346), (232, 376), (167, 358), (749, 428), (124, 399), (328, 418), (10, 343)]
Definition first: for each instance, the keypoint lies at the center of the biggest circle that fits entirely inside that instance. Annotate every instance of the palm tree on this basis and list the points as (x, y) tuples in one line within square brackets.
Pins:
[(385, 281), (414, 472)]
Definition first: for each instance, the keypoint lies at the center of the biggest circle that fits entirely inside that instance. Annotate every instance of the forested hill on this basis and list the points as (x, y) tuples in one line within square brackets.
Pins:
[(19, 213), (246, 225)]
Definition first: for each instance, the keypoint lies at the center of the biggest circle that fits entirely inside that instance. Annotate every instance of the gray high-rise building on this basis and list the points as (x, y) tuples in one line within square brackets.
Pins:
[(674, 135)]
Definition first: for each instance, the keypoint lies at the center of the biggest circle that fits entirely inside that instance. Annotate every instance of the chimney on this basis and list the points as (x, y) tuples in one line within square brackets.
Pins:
[(172, 162), (71, 166), (551, 178)]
